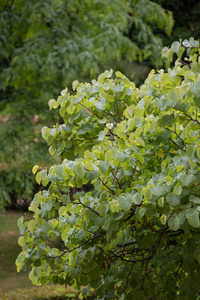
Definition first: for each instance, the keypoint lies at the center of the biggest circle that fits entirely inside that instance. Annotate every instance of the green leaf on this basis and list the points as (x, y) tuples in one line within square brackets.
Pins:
[(31, 226), (180, 168), (137, 122), (53, 104), (172, 97), (45, 132), (35, 203), (119, 74), (168, 180), (147, 192), (79, 170), (84, 280), (163, 219), (177, 189), (140, 142), (125, 202), (190, 151), (47, 206), (101, 135), (167, 120), (130, 110), (62, 210), (136, 199), (103, 166), (173, 223), (100, 105), (75, 84), (187, 180), (104, 75), (38, 178), (180, 52), (117, 88), (194, 199), (35, 168), (173, 199), (193, 219), (52, 149), (21, 241), (169, 55), (43, 174), (175, 47), (59, 170), (161, 201), (66, 199), (128, 83), (198, 152)]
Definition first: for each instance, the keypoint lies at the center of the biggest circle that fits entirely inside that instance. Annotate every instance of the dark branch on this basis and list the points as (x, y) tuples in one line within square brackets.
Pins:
[(112, 192), (177, 145)]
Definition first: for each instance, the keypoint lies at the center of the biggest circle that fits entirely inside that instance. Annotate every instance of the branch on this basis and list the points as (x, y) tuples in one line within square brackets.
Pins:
[(119, 119), (174, 131), (177, 145), (88, 207), (112, 192), (196, 121), (89, 110), (114, 175), (81, 245), (113, 134)]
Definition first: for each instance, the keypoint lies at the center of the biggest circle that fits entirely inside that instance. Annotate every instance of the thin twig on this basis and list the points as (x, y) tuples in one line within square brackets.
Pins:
[(119, 119), (177, 145), (78, 247), (89, 208), (196, 121), (107, 186), (174, 131)]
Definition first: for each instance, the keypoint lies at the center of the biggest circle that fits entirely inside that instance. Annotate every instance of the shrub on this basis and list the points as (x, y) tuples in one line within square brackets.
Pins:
[(125, 199)]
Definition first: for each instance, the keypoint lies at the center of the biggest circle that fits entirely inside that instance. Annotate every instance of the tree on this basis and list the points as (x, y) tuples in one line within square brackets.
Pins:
[(44, 46), (186, 19), (120, 214)]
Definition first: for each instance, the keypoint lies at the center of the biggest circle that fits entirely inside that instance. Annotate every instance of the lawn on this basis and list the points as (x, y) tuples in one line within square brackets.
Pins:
[(17, 286)]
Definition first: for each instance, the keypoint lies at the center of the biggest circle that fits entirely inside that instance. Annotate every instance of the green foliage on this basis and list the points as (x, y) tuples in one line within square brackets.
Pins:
[(148, 22), (125, 199), (44, 46), (186, 18)]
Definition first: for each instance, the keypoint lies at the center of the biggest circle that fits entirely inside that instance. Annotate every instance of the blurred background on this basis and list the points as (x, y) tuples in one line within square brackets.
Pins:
[(44, 46)]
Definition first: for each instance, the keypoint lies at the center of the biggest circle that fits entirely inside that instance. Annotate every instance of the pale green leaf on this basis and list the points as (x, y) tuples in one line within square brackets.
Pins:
[(21, 241), (136, 199), (175, 47), (125, 202), (173, 199), (79, 170), (47, 206), (193, 219), (53, 103), (75, 84), (173, 223), (163, 219), (177, 189), (45, 132), (35, 168)]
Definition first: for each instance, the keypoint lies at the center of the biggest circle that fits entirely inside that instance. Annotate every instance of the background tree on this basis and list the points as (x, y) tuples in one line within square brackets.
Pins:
[(135, 233), (186, 16), (44, 46)]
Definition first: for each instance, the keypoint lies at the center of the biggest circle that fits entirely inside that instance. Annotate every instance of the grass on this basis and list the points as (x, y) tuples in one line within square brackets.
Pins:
[(17, 286)]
